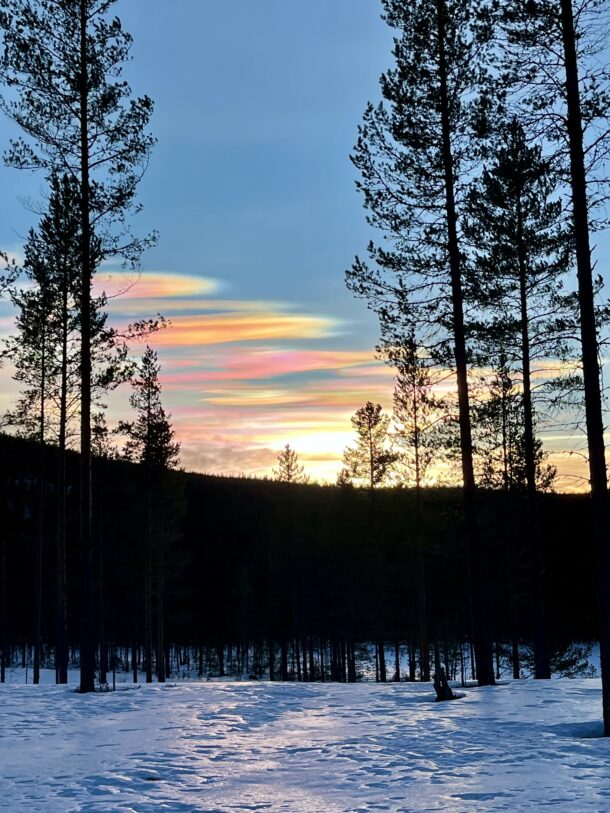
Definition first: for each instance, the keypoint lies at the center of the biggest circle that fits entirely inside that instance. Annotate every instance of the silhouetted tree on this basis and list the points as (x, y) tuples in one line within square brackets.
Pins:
[(370, 460), (553, 51), (150, 442), (417, 412), (415, 154), (62, 60), (289, 469)]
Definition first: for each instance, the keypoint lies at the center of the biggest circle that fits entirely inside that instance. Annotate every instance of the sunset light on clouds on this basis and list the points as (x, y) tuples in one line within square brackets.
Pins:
[(252, 192), (243, 378)]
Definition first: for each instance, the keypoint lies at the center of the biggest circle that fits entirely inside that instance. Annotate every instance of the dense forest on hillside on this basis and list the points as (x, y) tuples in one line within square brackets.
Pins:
[(298, 576)]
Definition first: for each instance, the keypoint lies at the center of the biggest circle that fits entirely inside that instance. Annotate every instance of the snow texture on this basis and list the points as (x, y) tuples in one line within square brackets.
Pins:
[(304, 748)]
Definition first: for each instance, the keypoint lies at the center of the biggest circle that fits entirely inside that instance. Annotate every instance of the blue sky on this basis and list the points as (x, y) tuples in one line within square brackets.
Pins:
[(252, 191), (256, 112)]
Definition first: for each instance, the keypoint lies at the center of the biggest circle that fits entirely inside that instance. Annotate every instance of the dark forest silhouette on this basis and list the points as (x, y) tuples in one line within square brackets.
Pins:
[(289, 572), (483, 173)]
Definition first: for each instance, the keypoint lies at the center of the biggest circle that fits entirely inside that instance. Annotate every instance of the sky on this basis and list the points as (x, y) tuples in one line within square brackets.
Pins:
[(252, 192), (253, 195)]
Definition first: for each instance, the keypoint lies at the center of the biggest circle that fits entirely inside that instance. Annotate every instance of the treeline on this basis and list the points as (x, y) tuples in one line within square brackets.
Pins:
[(299, 576), (484, 171)]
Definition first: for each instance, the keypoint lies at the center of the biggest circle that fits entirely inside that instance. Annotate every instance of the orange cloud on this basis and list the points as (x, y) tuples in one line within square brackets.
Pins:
[(243, 377), (204, 329), (153, 285)]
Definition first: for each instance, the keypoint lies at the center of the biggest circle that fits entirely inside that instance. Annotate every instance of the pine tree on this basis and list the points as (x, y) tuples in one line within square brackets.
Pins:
[(31, 355), (289, 469), (499, 437), (521, 257), (370, 461), (62, 61), (553, 52), (416, 415), (150, 442), (415, 155)]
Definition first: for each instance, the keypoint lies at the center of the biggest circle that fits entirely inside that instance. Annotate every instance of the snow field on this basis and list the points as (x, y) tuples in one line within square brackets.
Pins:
[(304, 748)]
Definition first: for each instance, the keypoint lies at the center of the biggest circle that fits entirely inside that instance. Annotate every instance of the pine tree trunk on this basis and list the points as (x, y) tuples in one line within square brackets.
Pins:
[(590, 363), (382, 668), (101, 591), (87, 652), (271, 648), (3, 624), (41, 520), (134, 660), (312, 663), (516, 661), (421, 580), (351, 663), (542, 670), (160, 619), (424, 668), (296, 658), (304, 653), (61, 632), (148, 584), (480, 609), (322, 665)]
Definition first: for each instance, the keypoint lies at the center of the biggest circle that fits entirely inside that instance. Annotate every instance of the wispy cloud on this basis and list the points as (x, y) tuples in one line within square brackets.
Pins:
[(127, 286), (231, 327), (244, 377)]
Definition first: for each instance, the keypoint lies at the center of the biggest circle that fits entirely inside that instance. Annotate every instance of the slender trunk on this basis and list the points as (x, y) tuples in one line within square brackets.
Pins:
[(3, 625), (421, 578), (87, 652), (506, 459), (134, 660), (351, 662), (99, 472), (304, 654), (322, 672), (480, 610), (284, 660), (424, 668), (61, 632), (312, 663), (160, 613), (41, 512), (516, 661), (148, 581), (590, 363), (382, 667), (376, 663), (542, 670), (271, 646), (296, 658)]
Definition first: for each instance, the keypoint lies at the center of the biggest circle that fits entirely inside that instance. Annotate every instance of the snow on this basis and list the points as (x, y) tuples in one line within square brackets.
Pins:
[(304, 748)]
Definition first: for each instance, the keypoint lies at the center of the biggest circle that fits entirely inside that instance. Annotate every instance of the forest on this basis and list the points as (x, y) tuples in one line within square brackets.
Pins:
[(292, 579), (483, 174)]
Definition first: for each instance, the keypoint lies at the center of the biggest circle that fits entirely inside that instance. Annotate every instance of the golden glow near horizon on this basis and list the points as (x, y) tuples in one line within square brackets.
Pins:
[(242, 378)]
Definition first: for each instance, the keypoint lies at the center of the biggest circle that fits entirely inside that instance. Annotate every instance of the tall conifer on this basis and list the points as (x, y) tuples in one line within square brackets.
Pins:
[(415, 154), (62, 61)]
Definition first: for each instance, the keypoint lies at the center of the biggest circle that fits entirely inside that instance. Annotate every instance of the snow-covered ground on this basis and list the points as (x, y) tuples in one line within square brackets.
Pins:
[(320, 748)]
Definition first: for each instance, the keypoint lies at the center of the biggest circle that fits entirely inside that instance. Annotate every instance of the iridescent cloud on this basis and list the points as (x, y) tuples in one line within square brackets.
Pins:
[(244, 377), (202, 329), (121, 286)]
